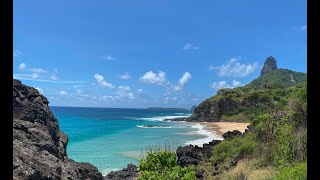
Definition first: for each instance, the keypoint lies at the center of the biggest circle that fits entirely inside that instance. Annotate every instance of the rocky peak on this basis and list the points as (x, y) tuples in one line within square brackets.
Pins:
[(269, 65)]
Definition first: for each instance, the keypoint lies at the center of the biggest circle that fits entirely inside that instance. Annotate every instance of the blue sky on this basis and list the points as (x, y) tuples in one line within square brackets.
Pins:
[(137, 54)]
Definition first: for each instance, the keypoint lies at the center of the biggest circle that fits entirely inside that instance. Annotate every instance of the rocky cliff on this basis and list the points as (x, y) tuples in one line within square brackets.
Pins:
[(39, 147)]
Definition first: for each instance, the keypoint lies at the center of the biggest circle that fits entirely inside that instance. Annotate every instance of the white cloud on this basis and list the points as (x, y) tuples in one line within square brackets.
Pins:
[(125, 76), (140, 90), (39, 89), (22, 66), (38, 70), (223, 84), (17, 53), (63, 93), (34, 75), (154, 78), (102, 82), (108, 58), (233, 68), (185, 78), (54, 77), (182, 82), (236, 83), (189, 46), (124, 88), (81, 94)]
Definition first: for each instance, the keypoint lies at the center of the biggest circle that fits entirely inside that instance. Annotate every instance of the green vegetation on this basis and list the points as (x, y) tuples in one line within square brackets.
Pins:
[(233, 148), (280, 78), (295, 172), (276, 147), (161, 165)]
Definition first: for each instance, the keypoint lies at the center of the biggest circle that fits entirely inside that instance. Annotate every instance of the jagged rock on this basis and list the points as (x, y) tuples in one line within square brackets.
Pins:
[(39, 147), (192, 155), (129, 173), (269, 65), (231, 134)]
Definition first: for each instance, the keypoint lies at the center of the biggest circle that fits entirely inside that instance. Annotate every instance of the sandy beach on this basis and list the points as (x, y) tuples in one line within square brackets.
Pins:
[(220, 128)]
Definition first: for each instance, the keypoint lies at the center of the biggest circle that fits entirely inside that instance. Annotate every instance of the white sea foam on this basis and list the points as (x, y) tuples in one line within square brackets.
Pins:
[(108, 170), (143, 126), (202, 130), (161, 118)]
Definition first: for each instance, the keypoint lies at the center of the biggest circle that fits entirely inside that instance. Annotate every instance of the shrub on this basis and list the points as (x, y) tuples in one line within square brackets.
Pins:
[(233, 148), (161, 165), (296, 172)]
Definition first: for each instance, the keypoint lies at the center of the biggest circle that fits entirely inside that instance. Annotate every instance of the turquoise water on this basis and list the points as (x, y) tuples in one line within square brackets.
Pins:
[(110, 138)]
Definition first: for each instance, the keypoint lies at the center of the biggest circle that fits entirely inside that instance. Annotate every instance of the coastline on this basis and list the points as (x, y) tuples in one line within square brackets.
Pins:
[(219, 128)]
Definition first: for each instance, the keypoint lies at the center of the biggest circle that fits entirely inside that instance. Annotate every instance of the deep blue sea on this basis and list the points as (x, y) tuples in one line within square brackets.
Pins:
[(110, 138)]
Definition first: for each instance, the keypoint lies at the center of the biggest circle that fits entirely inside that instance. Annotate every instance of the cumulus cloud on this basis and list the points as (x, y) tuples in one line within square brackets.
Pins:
[(22, 66), (34, 75), (63, 93), (189, 46), (223, 84), (233, 68), (108, 58), (100, 80), (125, 76), (140, 90), (124, 88), (154, 78), (182, 82), (39, 89)]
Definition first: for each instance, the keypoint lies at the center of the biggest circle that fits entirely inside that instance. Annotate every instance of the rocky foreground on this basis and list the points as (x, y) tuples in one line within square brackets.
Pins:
[(39, 147)]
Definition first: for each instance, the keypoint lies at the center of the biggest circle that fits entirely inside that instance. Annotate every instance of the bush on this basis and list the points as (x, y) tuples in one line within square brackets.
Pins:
[(161, 165), (296, 172), (238, 146)]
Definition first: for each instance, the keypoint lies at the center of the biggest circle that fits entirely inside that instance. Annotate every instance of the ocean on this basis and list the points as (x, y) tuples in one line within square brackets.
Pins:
[(110, 138)]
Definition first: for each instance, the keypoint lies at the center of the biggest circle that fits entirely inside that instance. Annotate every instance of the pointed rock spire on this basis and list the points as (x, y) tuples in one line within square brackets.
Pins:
[(269, 65)]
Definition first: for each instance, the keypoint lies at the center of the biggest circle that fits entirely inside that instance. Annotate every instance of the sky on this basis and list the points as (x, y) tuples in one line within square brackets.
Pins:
[(161, 53)]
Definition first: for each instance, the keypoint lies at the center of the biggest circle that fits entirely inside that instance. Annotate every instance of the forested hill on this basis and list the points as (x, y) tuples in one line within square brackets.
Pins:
[(269, 91)]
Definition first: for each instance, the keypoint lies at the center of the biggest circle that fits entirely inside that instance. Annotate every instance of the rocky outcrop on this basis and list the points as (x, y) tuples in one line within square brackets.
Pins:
[(129, 173), (231, 134), (211, 111), (269, 65), (39, 147), (192, 155)]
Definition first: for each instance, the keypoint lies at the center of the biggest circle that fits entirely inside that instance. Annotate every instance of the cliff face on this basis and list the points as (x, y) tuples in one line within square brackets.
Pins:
[(39, 147)]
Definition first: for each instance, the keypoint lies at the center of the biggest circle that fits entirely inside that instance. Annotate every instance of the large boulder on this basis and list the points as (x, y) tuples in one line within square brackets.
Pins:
[(39, 147), (192, 155), (129, 173)]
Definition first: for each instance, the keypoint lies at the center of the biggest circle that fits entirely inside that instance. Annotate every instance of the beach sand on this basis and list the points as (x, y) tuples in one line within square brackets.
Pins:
[(220, 128)]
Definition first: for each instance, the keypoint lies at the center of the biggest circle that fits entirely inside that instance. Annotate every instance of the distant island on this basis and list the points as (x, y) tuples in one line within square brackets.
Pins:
[(161, 108)]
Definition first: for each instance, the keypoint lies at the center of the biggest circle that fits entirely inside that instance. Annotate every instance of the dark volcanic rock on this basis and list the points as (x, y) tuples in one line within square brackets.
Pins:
[(212, 111), (231, 134), (128, 173), (269, 65), (192, 155), (39, 147)]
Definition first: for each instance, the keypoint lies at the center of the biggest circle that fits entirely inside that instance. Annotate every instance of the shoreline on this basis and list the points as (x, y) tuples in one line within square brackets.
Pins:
[(219, 128)]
